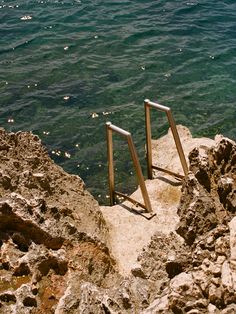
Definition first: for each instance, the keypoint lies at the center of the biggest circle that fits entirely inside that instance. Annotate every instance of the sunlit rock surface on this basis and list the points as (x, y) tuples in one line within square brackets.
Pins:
[(130, 232), (61, 253), (53, 236)]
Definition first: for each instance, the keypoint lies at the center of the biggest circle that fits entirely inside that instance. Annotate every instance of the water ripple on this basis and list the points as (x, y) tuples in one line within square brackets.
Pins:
[(64, 62)]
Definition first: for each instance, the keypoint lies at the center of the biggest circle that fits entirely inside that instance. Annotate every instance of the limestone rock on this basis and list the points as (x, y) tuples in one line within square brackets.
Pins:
[(208, 190), (205, 280), (51, 229), (232, 240), (57, 245), (160, 305)]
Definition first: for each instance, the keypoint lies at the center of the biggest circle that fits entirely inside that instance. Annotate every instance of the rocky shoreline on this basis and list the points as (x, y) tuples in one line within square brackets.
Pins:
[(62, 253)]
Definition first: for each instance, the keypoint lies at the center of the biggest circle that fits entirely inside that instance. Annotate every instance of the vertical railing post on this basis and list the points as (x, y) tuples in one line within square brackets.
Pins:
[(148, 139), (110, 164), (139, 173), (177, 142)]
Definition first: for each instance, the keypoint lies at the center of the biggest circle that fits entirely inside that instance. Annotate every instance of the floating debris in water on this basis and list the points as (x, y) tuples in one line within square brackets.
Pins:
[(67, 155), (46, 132), (105, 113), (26, 17), (143, 68), (212, 57), (66, 48), (96, 36), (77, 145), (94, 115), (56, 152), (167, 75), (10, 120), (66, 97)]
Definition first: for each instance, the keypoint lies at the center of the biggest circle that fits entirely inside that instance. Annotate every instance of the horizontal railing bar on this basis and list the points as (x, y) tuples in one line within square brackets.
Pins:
[(157, 106), (117, 129), (168, 171)]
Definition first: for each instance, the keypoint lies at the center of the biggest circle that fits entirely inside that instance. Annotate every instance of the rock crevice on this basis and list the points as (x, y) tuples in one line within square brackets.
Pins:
[(62, 253)]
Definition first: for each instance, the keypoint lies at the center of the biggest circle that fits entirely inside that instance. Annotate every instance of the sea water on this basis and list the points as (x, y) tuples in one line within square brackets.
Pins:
[(67, 67)]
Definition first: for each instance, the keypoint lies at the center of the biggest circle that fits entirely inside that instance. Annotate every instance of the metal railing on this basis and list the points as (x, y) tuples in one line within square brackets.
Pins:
[(147, 204), (148, 105)]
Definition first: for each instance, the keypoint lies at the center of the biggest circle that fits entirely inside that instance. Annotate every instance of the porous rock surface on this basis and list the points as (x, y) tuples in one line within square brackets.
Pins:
[(55, 249), (52, 233), (129, 232), (202, 271)]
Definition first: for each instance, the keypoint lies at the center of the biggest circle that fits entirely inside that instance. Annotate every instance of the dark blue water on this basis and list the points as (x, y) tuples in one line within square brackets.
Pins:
[(67, 67)]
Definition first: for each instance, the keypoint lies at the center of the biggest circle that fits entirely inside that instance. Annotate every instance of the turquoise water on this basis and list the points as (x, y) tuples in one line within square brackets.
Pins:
[(67, 67)]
